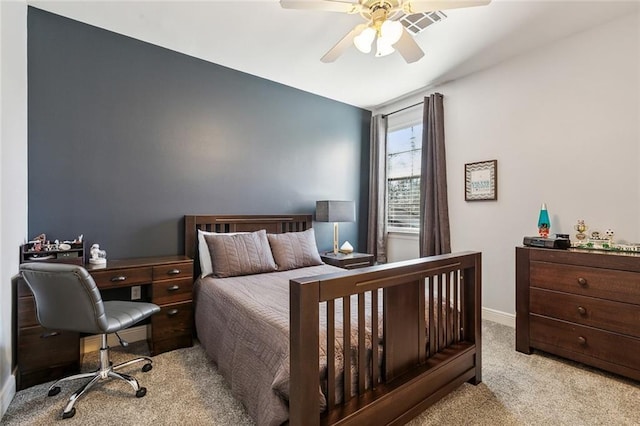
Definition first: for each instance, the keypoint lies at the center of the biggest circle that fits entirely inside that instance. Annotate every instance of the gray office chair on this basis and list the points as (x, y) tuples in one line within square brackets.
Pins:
[(67, 298)]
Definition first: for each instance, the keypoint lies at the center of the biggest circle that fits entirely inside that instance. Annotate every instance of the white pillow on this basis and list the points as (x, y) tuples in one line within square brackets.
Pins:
[(206, 266)]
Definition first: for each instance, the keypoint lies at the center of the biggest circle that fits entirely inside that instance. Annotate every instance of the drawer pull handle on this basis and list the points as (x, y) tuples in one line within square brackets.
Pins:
[(52, 334), (582, 340), (582, 310), (118, 278), (174, 288), (172, 312), (174, 272), (582, 281)]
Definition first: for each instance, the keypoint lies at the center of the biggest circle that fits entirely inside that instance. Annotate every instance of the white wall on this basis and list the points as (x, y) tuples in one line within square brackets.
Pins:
[(13, 171), (563, 121)]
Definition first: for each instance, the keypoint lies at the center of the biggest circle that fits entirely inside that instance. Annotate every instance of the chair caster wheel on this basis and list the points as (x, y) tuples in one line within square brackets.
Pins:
[(54, 391), (141, 392), (69, 414), (147, 367)]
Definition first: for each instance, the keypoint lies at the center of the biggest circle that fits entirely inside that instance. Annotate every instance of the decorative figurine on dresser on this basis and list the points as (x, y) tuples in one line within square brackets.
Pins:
[(581, 227)]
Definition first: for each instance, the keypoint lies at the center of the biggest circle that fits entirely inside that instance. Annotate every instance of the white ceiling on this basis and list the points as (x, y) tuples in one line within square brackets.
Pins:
[(260, 38)]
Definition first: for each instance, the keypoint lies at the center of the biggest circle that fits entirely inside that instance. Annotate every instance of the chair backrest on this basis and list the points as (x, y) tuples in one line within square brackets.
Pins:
[(67, 297)]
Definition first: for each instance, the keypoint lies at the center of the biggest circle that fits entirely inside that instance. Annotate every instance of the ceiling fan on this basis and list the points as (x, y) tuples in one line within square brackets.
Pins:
[(389, 34)]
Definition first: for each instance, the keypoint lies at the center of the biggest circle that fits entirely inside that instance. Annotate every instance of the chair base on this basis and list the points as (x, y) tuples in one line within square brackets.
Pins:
[(106, 371)]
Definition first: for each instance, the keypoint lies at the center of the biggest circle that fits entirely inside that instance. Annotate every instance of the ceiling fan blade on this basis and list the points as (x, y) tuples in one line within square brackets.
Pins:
[(408, 47), (342, 45), (418, 6), (326, 5)]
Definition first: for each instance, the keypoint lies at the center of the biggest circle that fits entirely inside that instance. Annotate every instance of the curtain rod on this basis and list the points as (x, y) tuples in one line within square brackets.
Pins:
[(402, 109)]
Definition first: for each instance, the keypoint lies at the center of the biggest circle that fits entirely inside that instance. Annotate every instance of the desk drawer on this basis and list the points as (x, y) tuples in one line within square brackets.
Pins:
[(122, 277), (610, 347), (176, 342), (621, 286), (172, 291), (23, 288), (172, 321), (612, 316), (179, 270), (41, 348), (27, 312)]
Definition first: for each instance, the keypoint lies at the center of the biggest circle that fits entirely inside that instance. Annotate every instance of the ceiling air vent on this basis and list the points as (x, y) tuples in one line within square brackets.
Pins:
[(417, 22)]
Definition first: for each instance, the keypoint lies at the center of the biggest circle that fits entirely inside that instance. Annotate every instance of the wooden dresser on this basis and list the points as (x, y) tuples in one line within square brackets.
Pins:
[(42, 355), (580, 305)]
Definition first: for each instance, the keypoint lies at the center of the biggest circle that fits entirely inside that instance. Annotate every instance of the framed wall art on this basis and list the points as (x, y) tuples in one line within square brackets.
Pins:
[(481, 181)]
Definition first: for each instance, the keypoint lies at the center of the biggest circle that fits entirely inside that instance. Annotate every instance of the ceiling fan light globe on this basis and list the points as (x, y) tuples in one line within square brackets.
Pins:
[(391, 31), (364, 40), (383, 48)]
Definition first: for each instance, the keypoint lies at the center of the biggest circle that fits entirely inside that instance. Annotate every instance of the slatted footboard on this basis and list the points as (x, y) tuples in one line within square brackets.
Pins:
[(429, 342)]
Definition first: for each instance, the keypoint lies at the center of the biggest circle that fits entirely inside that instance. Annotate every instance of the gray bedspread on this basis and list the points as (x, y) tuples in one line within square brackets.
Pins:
[(243, 325)]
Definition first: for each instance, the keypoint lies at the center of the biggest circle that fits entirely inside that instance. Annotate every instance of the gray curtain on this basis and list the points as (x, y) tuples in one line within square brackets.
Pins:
[(377, 227), (434, 211)]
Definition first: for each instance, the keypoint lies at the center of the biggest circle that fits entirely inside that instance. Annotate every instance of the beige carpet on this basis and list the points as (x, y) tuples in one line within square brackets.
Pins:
[(517, 389)]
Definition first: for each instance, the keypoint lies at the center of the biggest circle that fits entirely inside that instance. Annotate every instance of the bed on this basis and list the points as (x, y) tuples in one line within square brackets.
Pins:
[(413, 331)]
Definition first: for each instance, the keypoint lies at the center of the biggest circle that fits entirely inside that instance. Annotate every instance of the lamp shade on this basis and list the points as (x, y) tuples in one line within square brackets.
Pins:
[(335, 211), (383, 48), (364, 40)]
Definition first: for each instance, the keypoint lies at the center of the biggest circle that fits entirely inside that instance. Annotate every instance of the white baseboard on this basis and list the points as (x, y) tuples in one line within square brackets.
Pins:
[(133, 334), (7, 393), (499, 317)]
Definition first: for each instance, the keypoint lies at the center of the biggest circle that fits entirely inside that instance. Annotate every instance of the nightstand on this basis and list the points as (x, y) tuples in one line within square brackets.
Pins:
[(348, 261)]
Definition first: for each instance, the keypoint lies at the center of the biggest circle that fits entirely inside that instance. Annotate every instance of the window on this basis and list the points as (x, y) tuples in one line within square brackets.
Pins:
[(404, 152)]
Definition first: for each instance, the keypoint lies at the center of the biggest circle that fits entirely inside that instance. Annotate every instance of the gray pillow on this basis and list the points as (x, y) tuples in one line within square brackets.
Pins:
[(240, 254), (295, 249)]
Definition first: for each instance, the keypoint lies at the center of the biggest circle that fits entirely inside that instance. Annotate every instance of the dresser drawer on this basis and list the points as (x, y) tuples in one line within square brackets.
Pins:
[(172, 321), (609, 347), (179, 270), (608, 284), (611, 316), (171, 291), (42, 348), (122, 277)]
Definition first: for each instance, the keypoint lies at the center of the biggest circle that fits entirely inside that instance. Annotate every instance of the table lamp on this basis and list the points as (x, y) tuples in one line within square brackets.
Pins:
[(335, 211)]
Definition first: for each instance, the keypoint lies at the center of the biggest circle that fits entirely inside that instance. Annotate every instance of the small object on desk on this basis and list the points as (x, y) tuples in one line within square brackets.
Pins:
[(98, 257), (42, 238), (346, 248)]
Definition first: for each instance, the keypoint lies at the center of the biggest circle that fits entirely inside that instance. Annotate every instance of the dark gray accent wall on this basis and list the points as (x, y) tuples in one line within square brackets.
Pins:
[(126, 137)]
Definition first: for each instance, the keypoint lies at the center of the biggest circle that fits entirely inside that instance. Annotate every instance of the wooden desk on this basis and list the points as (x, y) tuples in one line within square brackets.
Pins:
[(42, 355)]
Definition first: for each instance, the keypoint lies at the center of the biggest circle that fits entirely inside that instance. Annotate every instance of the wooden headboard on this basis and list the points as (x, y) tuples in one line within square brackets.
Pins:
[(273, 224)]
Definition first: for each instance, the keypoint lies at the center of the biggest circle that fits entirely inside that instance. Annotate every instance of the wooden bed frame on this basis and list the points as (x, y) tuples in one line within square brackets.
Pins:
[(418, 368)]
